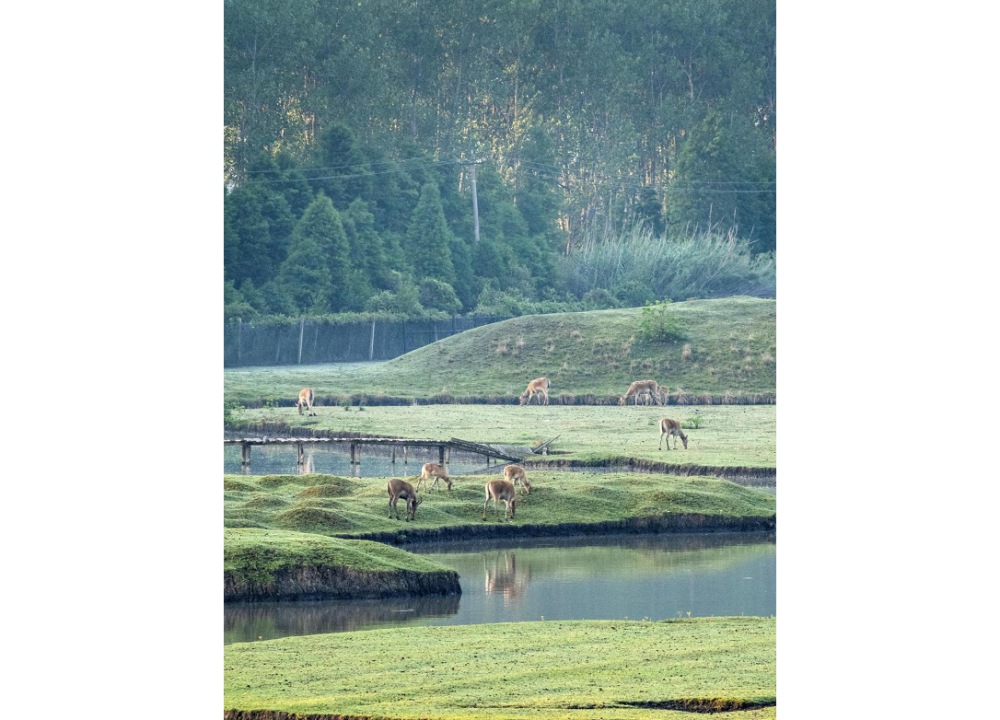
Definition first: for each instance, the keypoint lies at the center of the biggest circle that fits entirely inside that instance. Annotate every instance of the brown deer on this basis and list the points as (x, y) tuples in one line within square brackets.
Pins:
[(400, 489), (670, 427), (515, 473), (433, 470), (501, 490), (538, 385), (645, 387), (306, 400)]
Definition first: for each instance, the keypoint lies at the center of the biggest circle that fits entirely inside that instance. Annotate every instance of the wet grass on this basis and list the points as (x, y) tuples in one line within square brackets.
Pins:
[(580, 669), (729, 348), (728, 435), (556, 498)]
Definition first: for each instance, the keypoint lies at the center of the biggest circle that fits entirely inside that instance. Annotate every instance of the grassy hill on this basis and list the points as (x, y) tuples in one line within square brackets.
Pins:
[(729, 347)]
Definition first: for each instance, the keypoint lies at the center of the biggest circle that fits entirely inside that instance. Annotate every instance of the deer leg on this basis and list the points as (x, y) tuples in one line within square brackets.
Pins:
[(661, 442), (484, 510)]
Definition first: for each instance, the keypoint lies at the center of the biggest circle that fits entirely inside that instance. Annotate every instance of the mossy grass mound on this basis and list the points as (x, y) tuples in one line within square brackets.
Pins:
[(557, 498)]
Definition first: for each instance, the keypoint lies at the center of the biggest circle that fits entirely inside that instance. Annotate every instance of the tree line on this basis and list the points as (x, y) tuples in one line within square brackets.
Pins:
[(348, 126)]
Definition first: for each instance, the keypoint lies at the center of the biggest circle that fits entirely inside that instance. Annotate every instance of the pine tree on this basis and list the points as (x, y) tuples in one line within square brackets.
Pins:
[(321, 225), (428, 237), (342, 167), (366, 245)]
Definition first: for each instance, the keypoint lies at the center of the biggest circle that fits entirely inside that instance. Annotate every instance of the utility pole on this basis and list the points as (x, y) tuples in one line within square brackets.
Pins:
[(475, 201)]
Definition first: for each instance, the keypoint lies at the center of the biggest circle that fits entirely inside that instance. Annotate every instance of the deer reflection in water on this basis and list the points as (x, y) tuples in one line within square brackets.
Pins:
[(504, 577)]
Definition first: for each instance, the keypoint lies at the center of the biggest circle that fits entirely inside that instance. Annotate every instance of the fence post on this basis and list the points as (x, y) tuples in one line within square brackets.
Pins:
[(371, 346), (302, 326), (239, 341), (404, 337)]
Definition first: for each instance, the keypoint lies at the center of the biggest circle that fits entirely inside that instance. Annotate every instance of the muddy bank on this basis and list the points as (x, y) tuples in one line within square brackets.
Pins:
[(767, 476), (328, 583), (697, 706), (669, 523), (562, 399), (279, 715)]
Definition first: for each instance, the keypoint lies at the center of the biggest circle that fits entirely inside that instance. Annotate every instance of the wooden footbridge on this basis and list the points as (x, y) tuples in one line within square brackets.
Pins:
[(496, 451)]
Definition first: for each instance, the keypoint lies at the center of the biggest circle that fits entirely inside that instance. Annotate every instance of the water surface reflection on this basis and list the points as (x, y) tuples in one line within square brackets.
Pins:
[(607, 577)]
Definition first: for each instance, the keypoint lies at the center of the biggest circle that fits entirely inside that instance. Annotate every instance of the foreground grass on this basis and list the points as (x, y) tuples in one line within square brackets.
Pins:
[(729, 435), (730, 347), (338, 506), (579, 669)]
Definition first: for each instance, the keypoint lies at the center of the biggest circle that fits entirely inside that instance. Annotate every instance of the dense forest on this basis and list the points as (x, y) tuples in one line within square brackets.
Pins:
[(602, 132)]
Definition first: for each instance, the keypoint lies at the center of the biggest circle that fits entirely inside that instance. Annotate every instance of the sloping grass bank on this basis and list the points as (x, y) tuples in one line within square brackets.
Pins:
[(559, 504), (729, 348), (538, 670), (277, 565)]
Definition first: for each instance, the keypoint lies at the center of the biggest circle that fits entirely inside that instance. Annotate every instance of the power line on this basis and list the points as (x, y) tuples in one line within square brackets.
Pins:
[(354, 175), (669, 188), (358, 165)]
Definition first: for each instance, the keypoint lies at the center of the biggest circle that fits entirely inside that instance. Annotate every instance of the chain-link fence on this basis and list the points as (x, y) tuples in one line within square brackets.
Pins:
[(319, 341)]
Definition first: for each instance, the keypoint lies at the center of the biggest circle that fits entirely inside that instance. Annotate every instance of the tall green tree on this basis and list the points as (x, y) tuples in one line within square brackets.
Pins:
[(320, 230), (428, 237), (343, 172)]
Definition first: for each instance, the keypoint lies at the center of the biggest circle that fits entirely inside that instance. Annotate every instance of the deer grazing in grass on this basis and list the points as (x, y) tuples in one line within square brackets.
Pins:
[(670, 427), (306, 400), (538, 385), (433, 470), (515, 473), (501, 490), (402, 490), (642, 388)]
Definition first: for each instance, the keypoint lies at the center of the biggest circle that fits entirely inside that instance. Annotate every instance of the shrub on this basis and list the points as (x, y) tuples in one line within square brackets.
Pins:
[(405, 301), (659, 324), (600, 299), (438, 295)]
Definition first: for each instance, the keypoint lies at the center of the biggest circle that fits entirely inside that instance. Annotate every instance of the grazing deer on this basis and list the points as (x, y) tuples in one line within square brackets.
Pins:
[(500, 490), (400, 489), (306, 400), (433, 470), (538, 385), (670, 427), (645, 387), (513, 473)]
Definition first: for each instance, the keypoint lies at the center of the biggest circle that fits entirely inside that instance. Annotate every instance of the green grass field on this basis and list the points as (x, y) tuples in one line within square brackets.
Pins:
[(730, 347), (338, 506), (538, 670), (729, 435)]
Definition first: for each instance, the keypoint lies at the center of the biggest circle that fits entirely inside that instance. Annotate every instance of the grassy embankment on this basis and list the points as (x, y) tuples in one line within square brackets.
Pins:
[(269, 564), (560, 503), (729, 348), (729, 435), (580, 669)]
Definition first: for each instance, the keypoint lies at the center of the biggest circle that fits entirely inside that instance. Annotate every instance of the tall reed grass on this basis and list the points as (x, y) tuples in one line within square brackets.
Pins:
[(702, 265)]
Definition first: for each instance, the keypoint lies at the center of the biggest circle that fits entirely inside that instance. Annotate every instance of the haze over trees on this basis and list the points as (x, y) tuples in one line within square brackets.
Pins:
[(347, 126)]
